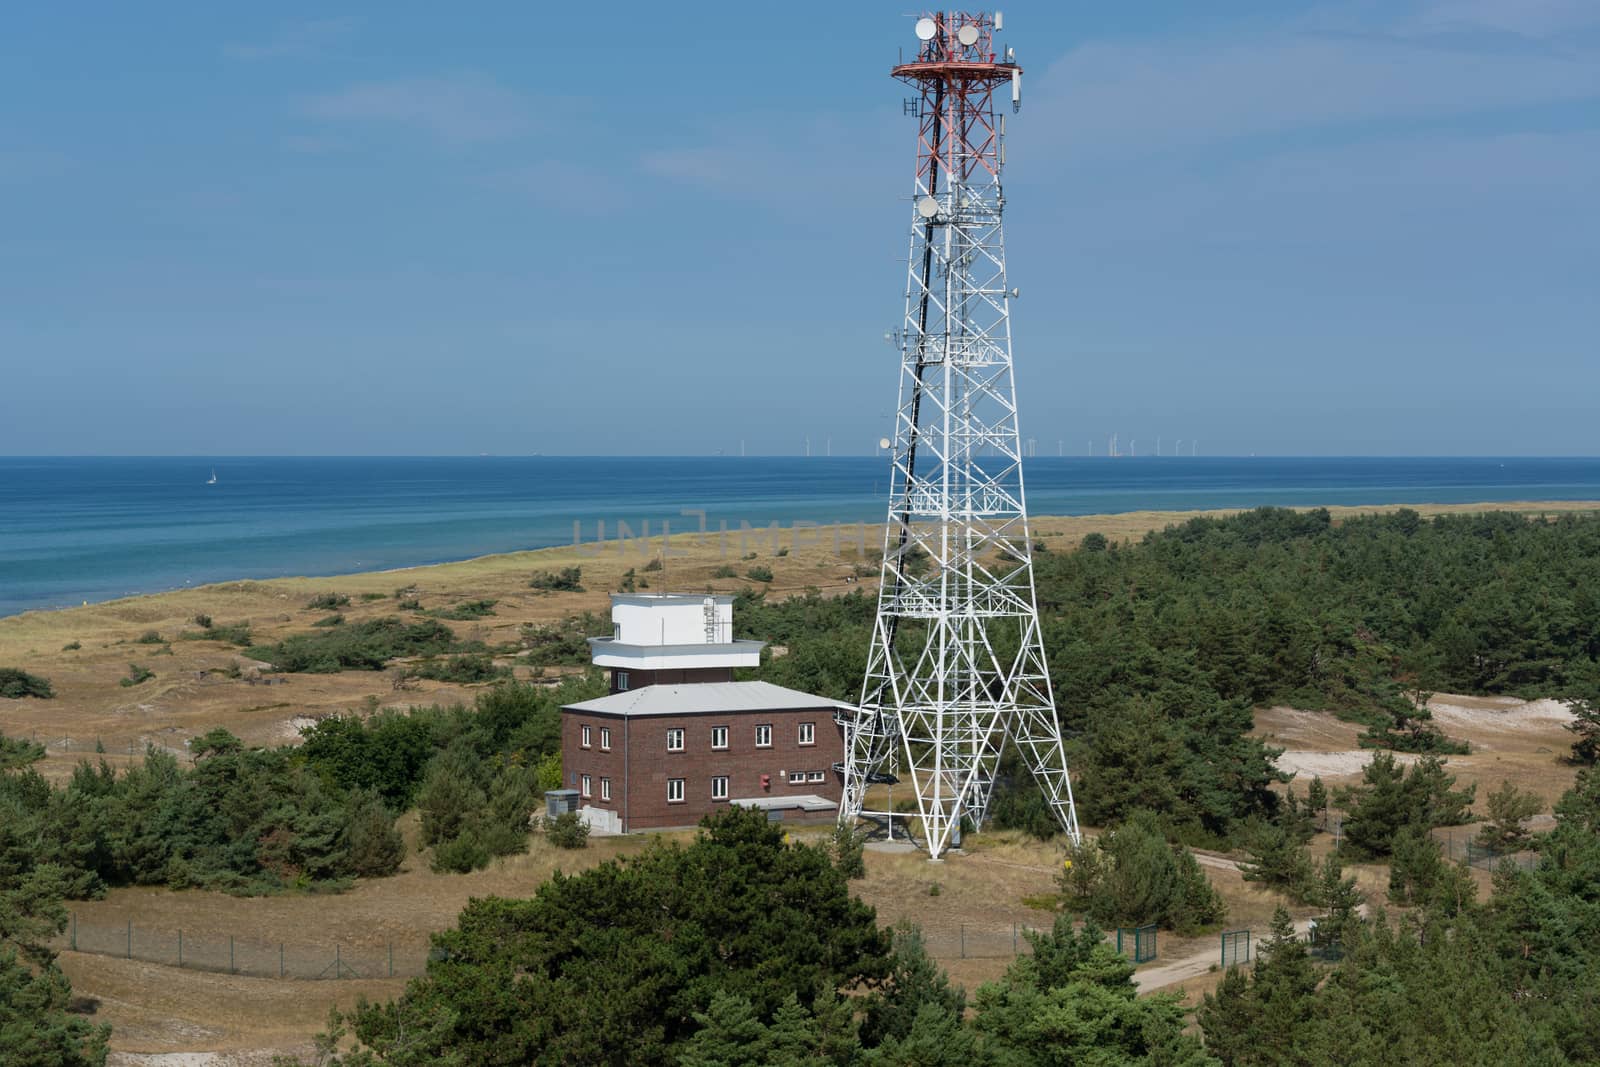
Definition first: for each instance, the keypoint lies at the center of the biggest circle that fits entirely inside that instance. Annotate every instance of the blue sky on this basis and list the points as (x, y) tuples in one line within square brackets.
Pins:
[(1342, 228)]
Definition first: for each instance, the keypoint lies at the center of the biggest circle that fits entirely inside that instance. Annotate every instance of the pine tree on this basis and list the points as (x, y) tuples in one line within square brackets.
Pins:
[(1510, 809)]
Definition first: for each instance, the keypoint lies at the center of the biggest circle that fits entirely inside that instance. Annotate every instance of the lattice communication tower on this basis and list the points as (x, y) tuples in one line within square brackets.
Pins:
[(957, 667)]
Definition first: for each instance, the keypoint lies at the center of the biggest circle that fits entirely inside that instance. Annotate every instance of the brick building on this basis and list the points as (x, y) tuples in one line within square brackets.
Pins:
[(677, 737)]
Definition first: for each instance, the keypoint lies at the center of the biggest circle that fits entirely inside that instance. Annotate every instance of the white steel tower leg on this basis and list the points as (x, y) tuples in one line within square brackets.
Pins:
[(957, 666)]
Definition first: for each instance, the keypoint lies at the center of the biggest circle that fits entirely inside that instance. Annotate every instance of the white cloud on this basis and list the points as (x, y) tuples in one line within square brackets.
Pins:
[(1526, 18), (296, 40), (1121, 98), (463, 108)]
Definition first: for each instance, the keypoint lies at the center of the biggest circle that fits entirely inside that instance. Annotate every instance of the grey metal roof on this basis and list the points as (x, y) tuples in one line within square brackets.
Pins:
[(696, 698), (805, 802)]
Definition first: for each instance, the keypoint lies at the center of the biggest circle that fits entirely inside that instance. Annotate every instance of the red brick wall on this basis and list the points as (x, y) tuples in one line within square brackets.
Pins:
[(642, 799)]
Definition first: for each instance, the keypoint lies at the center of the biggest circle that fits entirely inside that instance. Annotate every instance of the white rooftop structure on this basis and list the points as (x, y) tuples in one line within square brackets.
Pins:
[(673, 631), (706, 698)]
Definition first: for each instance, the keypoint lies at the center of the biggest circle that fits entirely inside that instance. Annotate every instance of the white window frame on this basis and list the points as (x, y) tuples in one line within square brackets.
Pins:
[(674, 790), (816, 776), (719, 787), (675, 735), (622, 681), (797, 777), (583, 736), (764, 735), (808, 733), (605, 788), (605, 739), (584, 784), (719, 737)]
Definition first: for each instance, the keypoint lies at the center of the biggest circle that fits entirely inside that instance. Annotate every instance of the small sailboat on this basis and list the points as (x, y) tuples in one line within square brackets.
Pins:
[(213, 479)]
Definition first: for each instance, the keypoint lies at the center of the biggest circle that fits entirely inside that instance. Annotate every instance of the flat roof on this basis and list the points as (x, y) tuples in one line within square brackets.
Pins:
[(702, 698), (805, 802)]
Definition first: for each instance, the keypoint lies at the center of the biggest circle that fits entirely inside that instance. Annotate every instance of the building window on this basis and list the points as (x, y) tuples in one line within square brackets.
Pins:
[(719, 788), (674, 790), (719, 737), (605, 739), (674, 740), (583, 786), (816, 776), (764, 736), (622, 681), (808, 733), (584, 740), (605, 789), (797, 777)]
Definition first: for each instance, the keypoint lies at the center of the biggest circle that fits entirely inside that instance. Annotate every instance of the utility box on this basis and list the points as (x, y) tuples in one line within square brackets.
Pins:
[(560, 801)]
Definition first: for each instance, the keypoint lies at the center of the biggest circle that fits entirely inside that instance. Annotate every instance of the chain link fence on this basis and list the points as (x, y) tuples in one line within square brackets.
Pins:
[(244, 955)]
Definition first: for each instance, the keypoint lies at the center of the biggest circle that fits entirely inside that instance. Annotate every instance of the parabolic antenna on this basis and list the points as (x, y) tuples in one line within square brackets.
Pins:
[(967, 35), (926, 29), (927, 207), (883, 442)]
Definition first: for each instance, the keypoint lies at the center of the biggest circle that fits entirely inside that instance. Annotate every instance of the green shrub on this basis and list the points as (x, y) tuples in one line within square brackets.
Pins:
[(149, 637), (16, 683), (759, 574), (335, 619), (781, 552), (472, 609), (565, 580), (136, 675), (360, 646), (72, 646), (327, 602), (369, 597), (235, 634), (410, 604), (724, 571), (567, 830), (655, 564), (203, 621), (465, 670)]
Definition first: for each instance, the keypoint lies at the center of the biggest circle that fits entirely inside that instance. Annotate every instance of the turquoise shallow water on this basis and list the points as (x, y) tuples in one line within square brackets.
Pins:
[(75, 529)]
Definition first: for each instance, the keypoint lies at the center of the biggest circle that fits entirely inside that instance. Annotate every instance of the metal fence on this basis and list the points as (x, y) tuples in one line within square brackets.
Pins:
[(1235, 947), (978, 941), (247, 956), (1139, 941), (1463, 848)]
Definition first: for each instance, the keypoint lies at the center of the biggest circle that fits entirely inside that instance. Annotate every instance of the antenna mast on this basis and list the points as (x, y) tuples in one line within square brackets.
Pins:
[(957, 667)]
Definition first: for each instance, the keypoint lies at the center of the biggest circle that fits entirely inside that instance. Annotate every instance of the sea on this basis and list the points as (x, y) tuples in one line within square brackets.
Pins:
[(75, 530)]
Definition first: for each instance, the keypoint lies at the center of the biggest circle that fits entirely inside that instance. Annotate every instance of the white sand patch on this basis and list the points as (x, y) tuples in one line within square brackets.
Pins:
[(1497, 713), (1309, 764), (290, 730)]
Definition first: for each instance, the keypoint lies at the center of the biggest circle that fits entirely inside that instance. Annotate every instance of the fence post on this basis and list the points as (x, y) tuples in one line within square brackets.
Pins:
[(130, 939), (231, 968), (180, 948), (963, 940), (391, 959), (338, 968), (280, 959), (1013, 939)]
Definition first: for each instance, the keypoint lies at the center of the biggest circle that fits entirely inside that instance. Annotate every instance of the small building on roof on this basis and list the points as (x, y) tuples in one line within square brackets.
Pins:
[(678, 738)]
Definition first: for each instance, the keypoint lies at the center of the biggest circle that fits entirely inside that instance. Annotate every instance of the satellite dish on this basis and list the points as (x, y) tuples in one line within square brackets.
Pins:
[(927, 207), (883, 442), (926, 29), (967, 35)]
